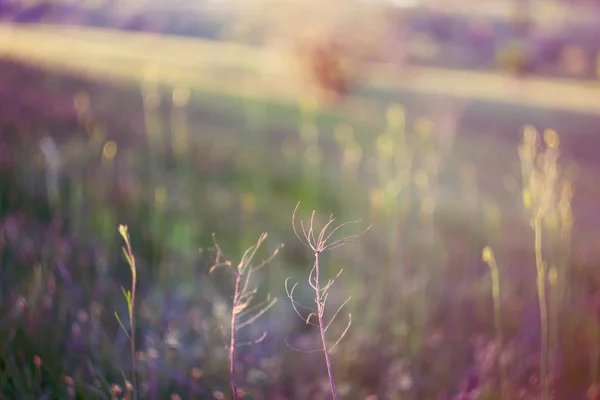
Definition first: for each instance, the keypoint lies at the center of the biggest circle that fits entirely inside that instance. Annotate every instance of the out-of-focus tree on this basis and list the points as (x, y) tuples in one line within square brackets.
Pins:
[(329, 41)]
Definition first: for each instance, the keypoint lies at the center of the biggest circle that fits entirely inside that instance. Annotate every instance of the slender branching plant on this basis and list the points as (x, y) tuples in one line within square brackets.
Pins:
[(243, 313), (130, 298), (319, 245)]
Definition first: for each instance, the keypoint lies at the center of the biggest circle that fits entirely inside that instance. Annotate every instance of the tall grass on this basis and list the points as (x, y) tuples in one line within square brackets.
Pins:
[(409, 316), (392, 198), (490, 260), (130, 298), (541, 193)]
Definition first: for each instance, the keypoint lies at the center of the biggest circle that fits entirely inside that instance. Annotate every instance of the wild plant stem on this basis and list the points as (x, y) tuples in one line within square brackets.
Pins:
[(242, 297), (495, 274), (133, 358), (320, 314), (541, 288), (130, 303), (320, 245), (232, 336)]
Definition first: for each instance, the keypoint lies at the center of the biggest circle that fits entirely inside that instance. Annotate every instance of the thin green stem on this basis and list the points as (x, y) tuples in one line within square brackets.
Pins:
[(495, 275), (130, 297), (541, 288)]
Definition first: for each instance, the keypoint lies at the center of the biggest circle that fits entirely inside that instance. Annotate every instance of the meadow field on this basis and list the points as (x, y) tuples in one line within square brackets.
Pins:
[(477, 195)]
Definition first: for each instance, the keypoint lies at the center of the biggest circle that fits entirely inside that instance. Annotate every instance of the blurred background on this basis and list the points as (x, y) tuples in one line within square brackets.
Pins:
[(466, 134)]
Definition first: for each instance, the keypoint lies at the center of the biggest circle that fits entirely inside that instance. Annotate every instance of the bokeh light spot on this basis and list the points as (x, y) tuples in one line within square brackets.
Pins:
[(160, 196), (551, 138), (553, 276), (81, 102), (248, 202), (344, 134), (395, 116), (181, 96), (110, 150)]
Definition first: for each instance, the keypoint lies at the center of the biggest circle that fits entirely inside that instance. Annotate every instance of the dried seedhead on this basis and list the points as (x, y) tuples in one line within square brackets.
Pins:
[(320, 243), (242, 312)]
